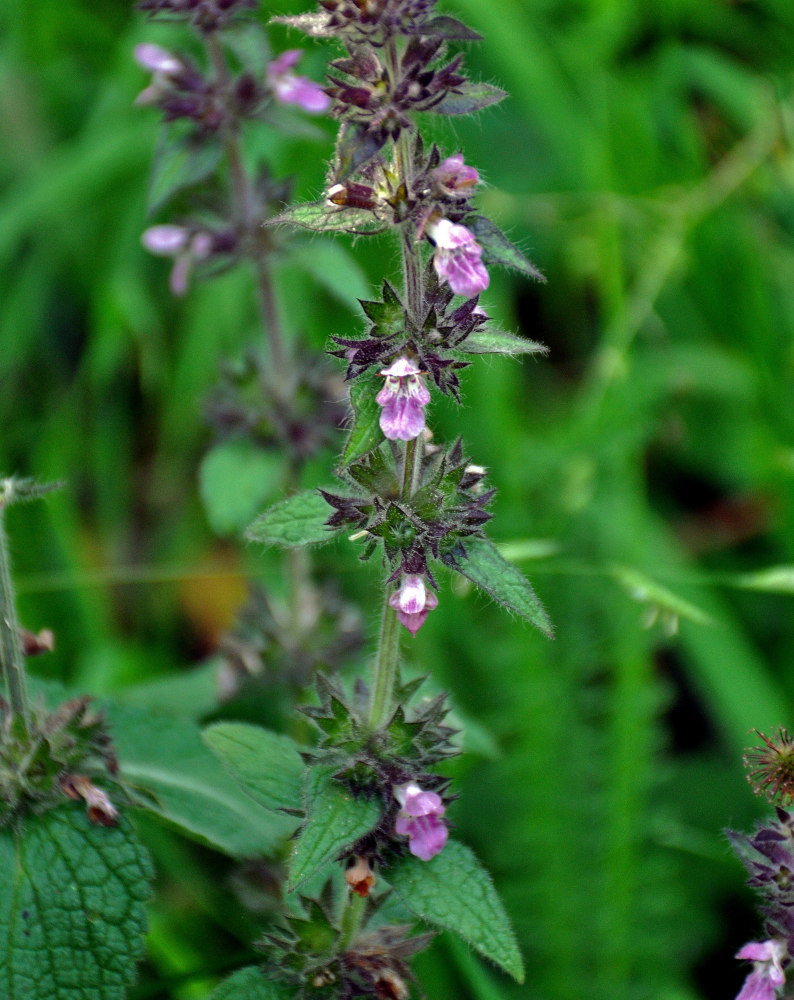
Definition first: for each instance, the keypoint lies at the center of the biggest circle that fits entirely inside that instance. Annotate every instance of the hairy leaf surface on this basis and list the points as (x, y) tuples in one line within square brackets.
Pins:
[(491, 572), (298, 520), (267, 765), (72, 918), (334, 821), (455, 892)]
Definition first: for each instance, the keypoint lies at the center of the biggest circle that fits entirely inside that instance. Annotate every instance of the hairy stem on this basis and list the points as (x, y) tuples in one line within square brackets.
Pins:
[(12, 659), (352, 918), (387, 658), (386, 661)]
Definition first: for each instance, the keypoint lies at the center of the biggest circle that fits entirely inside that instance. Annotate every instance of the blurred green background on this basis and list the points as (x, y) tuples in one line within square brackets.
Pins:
[(645, 468)]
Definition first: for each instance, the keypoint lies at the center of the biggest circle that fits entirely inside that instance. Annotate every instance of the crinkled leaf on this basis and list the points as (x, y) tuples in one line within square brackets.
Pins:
[(453, 891), (325, 217), (180, 160), (335, 820), (267, 765), (71, 907), (498, 249), (487, 340), (235, 479), (250, 983), (365, 433), (445, 27), (357, 144), (484, 566), (298, 520), (469, 97), (175, 776)]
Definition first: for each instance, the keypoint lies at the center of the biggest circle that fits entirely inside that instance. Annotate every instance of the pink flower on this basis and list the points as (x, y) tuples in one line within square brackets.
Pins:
[(402, 397), (420, 820), (457, 258), (453, 178), (412, 602), (185, 247), (162, 65), (767, 974), (292, 89)]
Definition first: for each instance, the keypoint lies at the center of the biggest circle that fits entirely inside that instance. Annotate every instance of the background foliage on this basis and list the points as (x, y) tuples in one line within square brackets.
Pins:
[(645, 469)]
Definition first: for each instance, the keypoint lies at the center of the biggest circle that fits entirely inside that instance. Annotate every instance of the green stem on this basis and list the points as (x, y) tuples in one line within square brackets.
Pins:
[(12, 659), (253, 233), (386, 662), (350, 924)]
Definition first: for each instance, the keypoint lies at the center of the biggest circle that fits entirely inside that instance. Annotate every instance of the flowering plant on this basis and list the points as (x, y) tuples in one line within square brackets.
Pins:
[(365, 805)]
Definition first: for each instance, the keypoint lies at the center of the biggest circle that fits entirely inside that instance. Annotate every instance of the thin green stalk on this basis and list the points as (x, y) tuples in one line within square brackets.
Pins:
[(12, 659), (386, 662)]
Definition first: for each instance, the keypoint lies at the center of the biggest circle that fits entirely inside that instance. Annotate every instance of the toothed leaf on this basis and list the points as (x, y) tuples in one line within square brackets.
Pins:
[(469, 97), (497, 248), (365, 434), (267, 765), (72, 918), (335, 820), (298, 520), (486, 340), (485, 567), (324, 217), (453, 891)]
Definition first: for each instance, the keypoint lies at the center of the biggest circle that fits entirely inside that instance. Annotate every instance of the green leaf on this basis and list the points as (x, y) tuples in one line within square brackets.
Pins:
[(324, 217), (644, 589), (298, 520), (498, 249), (773, 580), (484, 566), (453, 891), (469, 97), (331, 265), (266, 764), (175, 776), (235, 479), (486, 340), (334, 822), (444, 26), (250, 983), (365, 433), (71, 907), (357, 144), (180, 160)]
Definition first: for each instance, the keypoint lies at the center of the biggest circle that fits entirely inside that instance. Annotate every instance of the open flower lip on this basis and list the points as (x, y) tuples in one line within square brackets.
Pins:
[(412, 602), (288, 88), (421, 820), (403, 399), (457, 258)]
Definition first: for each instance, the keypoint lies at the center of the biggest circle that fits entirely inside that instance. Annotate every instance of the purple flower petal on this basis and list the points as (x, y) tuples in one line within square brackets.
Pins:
[(156, 59), (457, 258), (291, 89), (165, 241), (420, 819)]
